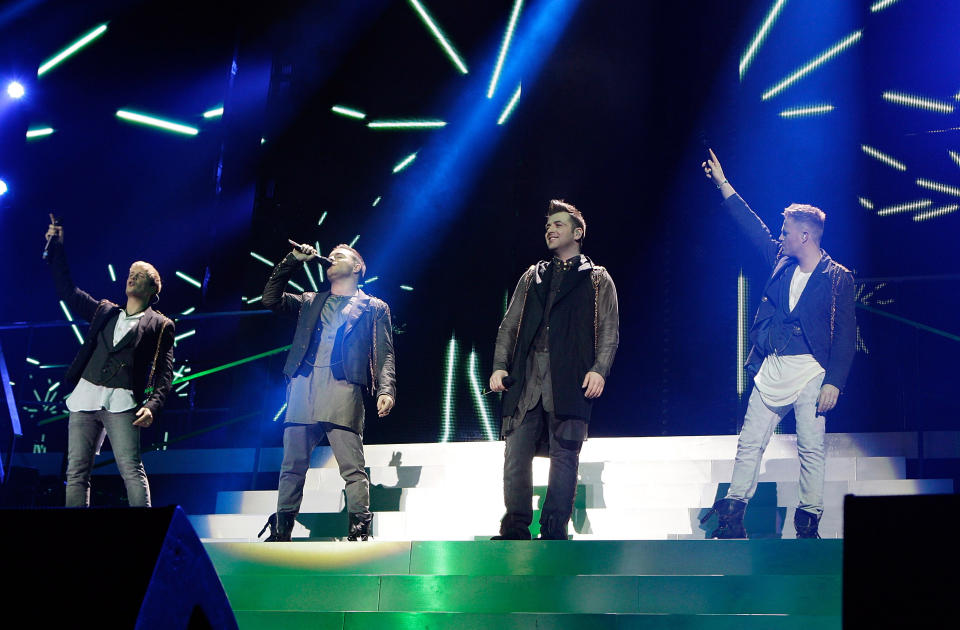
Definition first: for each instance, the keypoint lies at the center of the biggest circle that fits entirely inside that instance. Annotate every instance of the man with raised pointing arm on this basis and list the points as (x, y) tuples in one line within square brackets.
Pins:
[(343, 344), (803, 344)]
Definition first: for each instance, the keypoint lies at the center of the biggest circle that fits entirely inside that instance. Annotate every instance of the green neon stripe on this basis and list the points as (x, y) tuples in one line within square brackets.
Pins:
[(909, 322)]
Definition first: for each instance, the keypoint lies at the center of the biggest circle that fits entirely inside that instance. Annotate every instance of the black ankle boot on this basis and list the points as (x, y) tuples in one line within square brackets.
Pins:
[(730, 516), (281, 527), (360, 526), (806, 524), (553, 527)]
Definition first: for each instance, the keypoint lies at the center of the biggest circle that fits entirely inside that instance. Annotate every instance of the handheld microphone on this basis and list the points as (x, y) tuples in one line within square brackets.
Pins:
[(46, 247), (323, 259), (508, 382)]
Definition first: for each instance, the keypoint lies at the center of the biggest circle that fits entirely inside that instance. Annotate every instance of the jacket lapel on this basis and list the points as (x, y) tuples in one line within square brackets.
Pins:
[(313, 310), (817, 278), (574, 277), (358, 306)]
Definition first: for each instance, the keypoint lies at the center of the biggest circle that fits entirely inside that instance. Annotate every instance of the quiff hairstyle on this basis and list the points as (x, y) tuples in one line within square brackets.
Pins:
[(559, 205), (356, 256), (811, 217), (152, 273)]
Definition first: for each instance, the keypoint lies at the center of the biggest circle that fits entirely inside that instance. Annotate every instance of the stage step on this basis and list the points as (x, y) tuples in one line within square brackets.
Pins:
[(537, 584)]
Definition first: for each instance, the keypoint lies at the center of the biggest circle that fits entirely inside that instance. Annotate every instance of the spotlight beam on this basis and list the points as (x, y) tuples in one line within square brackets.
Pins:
[(813, 64), (439, 36), (153, 121), (67, 52), (761, 35), (504, 47)]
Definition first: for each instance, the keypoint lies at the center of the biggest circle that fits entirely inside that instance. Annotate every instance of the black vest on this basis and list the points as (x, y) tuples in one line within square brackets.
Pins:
[(109, 365), (571, 342), (785, 334)]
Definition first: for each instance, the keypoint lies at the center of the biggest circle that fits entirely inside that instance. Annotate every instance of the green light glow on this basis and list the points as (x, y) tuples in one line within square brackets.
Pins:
[(743, 332), (883, 157), (448, 389), (113, 274), (510, 105), (813, 64), (761, 35), (255, 299), (504, 46), (53, 387), (296, 286), (265, 261), (189, 333), (313, 282), (800, 112), (66, 311), (153, 121), (439, 36), (323, 217), (188, 279), (316, 246), (280, 413), (945, 189), (214, 113), (348, 112), (32, 361), (354, 241), (373, 279), (404, 163), (473, 373), (76, 332), (919, 102), (406, 124), (39, 133), (406, 287), (70, 50), (189, 310), (376, 201)]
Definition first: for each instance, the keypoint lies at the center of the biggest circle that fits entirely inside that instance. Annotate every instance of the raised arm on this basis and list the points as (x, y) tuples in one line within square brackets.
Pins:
[(274, 296), (751, 224), (77, 300)]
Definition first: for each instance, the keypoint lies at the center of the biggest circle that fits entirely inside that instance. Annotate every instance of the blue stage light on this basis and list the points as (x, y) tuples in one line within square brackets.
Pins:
[(3, 187), (15, 89)]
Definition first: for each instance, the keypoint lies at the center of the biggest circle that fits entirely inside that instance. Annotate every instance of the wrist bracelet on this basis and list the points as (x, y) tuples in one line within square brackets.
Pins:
[(720, 185)]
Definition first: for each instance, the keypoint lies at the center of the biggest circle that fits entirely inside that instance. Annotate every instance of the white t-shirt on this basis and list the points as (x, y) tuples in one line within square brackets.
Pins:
[(782, 377), (89, 397)]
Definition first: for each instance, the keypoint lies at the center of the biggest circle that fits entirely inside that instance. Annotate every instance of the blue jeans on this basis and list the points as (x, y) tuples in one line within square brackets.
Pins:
[(84, 438), (758, 426)]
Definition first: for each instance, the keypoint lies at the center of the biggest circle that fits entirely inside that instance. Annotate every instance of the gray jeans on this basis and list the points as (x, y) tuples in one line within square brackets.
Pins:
[(83, 440), (758, 426), (299, 440)]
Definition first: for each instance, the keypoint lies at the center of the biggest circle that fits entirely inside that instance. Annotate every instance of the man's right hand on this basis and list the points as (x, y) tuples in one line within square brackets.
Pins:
[(305, 252), (54, 233), (496, 381)]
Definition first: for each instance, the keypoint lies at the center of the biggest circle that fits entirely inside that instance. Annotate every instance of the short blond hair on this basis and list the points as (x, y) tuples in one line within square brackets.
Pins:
[(151, 272), (808, 215)]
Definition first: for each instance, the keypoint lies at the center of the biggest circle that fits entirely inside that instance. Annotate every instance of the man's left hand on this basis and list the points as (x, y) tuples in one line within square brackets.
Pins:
[(828, 398), (384, 404), (593, 384), (144, 418)]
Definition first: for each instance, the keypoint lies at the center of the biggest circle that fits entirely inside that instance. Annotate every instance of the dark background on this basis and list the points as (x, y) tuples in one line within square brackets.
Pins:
[(618, 100)]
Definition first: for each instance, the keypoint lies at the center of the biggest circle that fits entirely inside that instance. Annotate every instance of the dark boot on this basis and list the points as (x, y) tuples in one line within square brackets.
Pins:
[(553, 527), (806, 524), (360, 526), (512, 528), (281, 527), (730, 516)]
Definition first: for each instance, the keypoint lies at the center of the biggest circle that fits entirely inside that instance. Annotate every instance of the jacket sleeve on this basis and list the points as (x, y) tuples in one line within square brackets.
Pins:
[(386, 377), (507, 333), (163, 372), (274, 297), (754, 227), (77, 300), (844, 321), (608, 326)]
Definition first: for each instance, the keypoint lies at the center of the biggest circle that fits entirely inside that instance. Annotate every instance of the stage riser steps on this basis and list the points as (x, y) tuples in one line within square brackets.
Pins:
[(706, 585)]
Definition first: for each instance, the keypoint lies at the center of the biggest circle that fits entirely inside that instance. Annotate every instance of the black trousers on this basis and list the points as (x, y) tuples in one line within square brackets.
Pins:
[(521, 446)]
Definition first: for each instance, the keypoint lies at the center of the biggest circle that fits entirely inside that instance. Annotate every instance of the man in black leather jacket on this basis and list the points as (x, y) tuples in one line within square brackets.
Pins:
[(343, 344)]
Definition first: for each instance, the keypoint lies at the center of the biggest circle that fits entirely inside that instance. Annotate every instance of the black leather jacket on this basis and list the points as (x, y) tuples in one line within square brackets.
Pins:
[(364, 344)]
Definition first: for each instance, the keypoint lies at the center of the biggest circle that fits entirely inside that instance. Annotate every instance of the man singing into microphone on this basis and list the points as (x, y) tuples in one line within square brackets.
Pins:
[(343, 344), (556, 345), (125, 352)]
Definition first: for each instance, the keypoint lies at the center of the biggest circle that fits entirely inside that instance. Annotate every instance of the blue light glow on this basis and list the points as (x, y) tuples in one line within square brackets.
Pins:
[(510, 106), (883, 157), (439, 36), (813, 64), (3, 187), (919, 102), (159, 123), (15, 90), (54, 61), (761, 35), (507, 38)]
